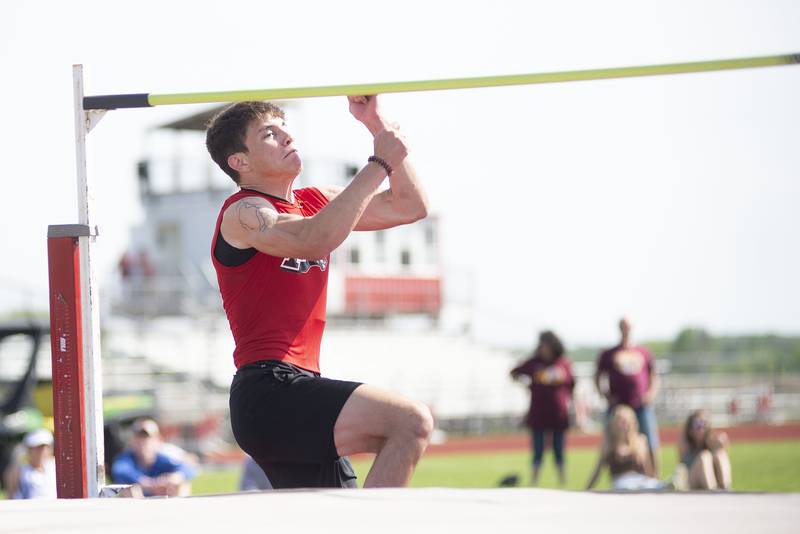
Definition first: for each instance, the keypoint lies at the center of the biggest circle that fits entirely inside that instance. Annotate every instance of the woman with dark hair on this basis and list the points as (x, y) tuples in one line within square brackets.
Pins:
[(549, 371), (704, 453)]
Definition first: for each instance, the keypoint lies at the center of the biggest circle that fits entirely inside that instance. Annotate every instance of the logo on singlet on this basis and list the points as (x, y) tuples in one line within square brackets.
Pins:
[(302, 266)]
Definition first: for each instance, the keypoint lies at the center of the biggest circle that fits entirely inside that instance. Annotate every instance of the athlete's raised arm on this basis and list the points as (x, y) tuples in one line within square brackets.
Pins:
[(405, 200), (254, 222)]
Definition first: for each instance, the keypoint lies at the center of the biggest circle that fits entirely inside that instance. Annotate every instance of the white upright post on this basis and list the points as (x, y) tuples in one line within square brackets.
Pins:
[(90, 316)]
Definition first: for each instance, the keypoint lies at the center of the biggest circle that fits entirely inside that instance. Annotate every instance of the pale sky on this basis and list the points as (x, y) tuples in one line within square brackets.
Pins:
[(673, 199)]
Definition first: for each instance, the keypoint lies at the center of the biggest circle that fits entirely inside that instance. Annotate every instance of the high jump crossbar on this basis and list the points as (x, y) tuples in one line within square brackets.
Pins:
[(140, 100), (74, 316)]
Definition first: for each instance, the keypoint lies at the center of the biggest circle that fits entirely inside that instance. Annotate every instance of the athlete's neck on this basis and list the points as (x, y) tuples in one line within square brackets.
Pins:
[(277, 191)]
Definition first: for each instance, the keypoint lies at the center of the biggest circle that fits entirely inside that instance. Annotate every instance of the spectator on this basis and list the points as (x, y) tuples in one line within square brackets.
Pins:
[(551, 382), (146, 465), (763, 405), (624, 451), (147, 268), (733, 408), (136, 265), (704, 453), (632, 381), (125, 265), (253, 477), (35, 479)]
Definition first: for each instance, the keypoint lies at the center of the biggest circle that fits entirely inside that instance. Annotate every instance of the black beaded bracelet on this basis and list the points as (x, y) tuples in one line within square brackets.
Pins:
[(382, 163)]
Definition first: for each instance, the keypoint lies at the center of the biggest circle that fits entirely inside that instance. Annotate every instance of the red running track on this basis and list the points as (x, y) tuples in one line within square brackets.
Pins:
[(515, 442), (521, 441)]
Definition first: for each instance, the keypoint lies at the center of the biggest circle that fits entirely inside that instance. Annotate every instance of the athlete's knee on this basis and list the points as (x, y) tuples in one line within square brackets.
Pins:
[(418, 423), (425, 426)]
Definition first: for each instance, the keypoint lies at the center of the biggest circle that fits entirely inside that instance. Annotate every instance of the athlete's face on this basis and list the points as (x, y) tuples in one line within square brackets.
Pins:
[(270, 150)]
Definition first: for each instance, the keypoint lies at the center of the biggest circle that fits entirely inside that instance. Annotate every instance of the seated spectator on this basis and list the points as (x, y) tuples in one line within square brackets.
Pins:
[(704, 453), (146, 465), (626, 454), (253, 477), (35, 479)]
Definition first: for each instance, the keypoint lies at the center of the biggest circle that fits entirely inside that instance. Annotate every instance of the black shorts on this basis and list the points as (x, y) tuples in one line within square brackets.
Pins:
[(283, 417)]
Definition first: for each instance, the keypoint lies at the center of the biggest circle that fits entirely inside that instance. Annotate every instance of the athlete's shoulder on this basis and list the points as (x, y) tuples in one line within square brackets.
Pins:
[(242, 214), (246, 199), (313, 199), (324, 193)]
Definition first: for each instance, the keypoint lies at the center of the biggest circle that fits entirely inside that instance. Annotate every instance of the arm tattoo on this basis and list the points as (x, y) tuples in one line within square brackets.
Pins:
[(249, 214)]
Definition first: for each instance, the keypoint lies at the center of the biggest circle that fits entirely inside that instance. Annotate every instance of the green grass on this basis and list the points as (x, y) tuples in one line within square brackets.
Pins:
[(210, 481), (757, 466)]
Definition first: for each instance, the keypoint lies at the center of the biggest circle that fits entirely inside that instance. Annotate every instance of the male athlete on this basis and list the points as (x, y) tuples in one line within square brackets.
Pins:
[(271, 248)]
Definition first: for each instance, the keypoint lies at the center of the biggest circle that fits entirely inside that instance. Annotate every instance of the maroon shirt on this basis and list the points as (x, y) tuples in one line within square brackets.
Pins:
[(628, 372), (551, 388)]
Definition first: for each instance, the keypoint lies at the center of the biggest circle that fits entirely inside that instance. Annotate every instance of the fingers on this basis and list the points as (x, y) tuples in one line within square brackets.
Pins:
[(362, 99)]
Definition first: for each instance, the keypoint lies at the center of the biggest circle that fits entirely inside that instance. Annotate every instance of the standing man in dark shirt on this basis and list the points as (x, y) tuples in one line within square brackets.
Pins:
[(551, 383), (632, 381)]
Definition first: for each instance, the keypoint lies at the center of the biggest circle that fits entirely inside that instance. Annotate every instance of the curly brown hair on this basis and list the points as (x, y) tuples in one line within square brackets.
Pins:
[(226, 131), (550, 339)]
